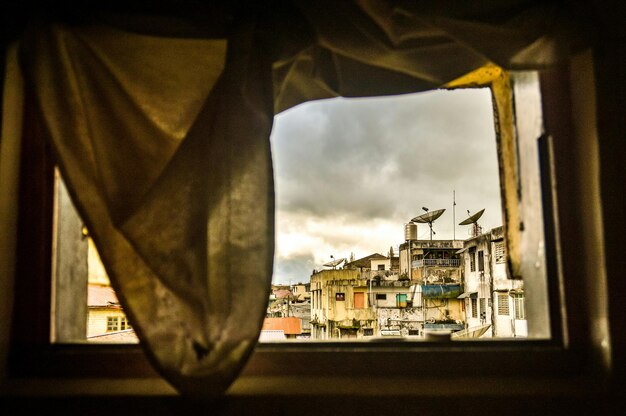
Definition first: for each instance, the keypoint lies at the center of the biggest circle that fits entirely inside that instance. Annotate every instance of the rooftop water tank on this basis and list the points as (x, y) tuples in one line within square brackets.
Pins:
[(410, 231)]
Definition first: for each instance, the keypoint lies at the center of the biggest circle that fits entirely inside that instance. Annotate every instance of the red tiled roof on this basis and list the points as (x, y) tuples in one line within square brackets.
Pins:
[(291, 325), (101, 296)]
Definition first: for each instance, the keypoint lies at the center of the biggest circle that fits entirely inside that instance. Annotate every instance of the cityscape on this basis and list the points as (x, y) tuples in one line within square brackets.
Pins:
[(431, 287)]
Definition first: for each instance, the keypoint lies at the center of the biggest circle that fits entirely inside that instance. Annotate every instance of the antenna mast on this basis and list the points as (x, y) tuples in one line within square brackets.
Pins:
[(453, 214)]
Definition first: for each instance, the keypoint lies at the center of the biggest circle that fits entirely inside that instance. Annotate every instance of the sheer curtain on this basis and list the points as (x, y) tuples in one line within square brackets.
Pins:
[(161, 130)]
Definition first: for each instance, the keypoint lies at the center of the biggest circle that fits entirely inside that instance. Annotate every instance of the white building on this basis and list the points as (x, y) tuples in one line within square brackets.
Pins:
[(490, 297)]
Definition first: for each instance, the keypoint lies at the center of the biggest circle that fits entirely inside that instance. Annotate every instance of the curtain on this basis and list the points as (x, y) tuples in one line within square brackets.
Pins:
[(160, 126)]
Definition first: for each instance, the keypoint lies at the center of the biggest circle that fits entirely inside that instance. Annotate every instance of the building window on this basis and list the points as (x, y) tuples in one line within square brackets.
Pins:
[(368, 332), (415, 332), (381, 267), (483, 309), (117, 323), (381, 296), (112, 323), (340, 296), (499, 252), (503, 304), (401, 300), (518, 306), (124, 323), (474, 308), (481, 261), (359, 300), (472, 258)]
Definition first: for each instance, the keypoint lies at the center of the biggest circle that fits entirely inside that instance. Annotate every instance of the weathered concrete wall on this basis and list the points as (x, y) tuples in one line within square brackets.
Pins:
[(402, 319)]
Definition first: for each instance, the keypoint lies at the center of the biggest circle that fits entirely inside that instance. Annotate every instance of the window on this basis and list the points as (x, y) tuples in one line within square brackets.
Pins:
[(117, 323), (435, 257), (124, 324), (474, 308), (112, 323), (368, 332), (503, 304), (401, 300), (359, 300), (381, 296), (483, 309), (508, 354), (499, 252), (518, 306)]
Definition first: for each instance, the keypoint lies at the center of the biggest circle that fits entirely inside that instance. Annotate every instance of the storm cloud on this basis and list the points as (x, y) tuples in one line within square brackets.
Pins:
[(345, 168)]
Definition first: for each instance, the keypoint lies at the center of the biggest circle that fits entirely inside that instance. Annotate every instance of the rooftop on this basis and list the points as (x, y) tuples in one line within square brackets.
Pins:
[(290, 325), (99, 296)]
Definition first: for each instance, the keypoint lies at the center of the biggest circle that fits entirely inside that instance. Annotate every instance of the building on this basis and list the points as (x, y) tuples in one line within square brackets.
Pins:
[(396, 315), (339, 307), (490, 297), (366, 298), (105, 314), (106, 320), (435, 269), (301, 292)]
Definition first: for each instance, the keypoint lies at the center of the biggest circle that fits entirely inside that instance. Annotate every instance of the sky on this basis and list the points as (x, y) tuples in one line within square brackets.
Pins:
[(349, 173)]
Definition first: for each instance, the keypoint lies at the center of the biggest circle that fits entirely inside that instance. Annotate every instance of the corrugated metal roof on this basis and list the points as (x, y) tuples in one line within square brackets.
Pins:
[(290, 325)]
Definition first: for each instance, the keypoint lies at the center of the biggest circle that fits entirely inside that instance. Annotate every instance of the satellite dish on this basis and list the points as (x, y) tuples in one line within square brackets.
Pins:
[(429, 218), (473, 219), (334, 263)]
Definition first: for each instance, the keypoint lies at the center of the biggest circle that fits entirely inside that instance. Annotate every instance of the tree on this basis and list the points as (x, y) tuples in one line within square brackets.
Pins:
[(390, 251)]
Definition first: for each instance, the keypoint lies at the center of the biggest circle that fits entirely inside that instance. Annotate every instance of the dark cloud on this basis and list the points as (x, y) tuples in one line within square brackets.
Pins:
[(342, 157)]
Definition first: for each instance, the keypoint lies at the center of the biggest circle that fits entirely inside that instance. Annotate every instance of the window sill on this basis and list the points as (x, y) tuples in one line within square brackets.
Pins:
[(383, 360)]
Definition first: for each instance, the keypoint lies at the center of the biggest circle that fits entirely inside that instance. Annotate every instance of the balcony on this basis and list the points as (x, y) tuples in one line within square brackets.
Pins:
[(450, 291), (436, 262)]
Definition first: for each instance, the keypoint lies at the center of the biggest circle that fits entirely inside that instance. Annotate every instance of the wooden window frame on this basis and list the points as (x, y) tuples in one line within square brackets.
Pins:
[(564, 355)]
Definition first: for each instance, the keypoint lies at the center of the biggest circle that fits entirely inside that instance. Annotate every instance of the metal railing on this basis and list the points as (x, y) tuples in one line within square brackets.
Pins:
[(437, 262)]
